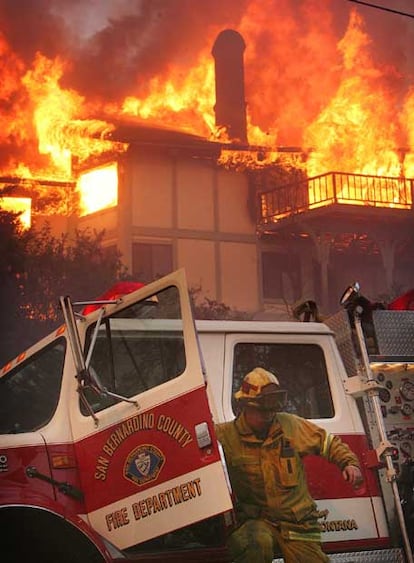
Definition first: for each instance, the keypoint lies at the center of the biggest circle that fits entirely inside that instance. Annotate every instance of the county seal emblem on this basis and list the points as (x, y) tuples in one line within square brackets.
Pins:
[(143, 464)]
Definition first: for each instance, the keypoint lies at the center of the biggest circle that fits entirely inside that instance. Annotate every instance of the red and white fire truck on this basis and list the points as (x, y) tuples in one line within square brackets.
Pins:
[(107, 443)]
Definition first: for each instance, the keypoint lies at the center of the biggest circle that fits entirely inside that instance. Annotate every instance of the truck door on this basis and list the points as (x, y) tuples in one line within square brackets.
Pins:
[(144, 438), (29, 396)]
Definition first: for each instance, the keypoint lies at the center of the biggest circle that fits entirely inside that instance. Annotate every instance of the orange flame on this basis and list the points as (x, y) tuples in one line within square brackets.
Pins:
[(303, 87), (182, 102), (53, 109), (407, 118), (62, 131), (354, 133)]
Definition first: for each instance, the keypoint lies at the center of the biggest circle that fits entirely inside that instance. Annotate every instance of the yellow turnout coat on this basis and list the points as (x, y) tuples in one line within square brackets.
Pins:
[(268, 477)]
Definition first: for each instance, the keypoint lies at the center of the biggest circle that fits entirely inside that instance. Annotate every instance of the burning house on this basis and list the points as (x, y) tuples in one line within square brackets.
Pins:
[(257, 223)]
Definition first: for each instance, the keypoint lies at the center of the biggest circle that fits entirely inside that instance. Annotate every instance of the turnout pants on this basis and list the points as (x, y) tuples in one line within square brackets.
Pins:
[(257, 541)]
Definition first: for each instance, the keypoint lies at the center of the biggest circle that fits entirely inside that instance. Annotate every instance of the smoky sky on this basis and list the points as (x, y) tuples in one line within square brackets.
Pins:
[(114, 47)]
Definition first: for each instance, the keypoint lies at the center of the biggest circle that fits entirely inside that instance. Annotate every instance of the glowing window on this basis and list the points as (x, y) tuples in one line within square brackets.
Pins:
[(98, 189), (20, 205)]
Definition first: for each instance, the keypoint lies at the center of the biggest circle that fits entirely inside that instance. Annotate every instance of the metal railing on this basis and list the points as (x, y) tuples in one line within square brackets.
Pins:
[(335, 188)]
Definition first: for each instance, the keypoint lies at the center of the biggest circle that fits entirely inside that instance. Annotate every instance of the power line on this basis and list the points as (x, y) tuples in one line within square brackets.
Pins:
[(382, 8)]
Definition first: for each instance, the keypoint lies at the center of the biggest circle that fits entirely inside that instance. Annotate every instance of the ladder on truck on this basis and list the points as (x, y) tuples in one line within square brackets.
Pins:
[(387, 341)]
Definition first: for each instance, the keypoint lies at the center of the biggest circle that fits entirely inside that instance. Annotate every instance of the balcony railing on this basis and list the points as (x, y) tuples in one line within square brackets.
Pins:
[(335, 188)]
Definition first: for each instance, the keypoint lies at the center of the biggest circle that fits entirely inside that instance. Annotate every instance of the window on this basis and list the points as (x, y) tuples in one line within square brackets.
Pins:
[(300, 368), (139, 348), (280, 275), (151, 261), (29, 394)]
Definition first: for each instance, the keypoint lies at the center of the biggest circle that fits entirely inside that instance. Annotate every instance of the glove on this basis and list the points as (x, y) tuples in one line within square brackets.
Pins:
[(353, 475)]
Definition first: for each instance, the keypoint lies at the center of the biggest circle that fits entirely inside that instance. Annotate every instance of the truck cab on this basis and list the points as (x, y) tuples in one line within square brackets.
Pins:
[(107, 437), (307, 362)]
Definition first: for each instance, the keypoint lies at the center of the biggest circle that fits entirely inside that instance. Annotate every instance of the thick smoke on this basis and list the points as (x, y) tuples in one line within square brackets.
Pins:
[(29, 27), (116, 46)]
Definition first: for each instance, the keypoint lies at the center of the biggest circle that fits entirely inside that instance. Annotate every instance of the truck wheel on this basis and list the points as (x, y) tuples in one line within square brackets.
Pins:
[(40, 536)]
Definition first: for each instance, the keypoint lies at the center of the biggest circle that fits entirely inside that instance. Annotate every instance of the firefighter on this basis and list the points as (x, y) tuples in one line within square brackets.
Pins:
[(263, 449)]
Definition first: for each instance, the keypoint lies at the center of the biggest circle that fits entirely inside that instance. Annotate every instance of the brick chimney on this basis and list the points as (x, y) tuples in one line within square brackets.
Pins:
[(230, 108)]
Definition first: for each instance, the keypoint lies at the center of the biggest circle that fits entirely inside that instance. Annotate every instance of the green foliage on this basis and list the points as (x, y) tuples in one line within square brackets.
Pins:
[(36, 268), (210, 309), (77, 266)]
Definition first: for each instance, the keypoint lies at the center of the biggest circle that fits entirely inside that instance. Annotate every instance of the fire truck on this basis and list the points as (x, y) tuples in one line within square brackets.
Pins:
[(107, 444)]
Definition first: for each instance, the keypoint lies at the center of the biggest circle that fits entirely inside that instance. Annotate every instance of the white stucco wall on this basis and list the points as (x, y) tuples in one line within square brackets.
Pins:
[(238, 266), (233, 215), (152, 192), (106, 219), (198, 259), (198, 208), (195, 196)]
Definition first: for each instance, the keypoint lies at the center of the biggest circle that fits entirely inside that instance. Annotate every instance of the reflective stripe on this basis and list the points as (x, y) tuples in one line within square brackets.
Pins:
[(326, 444), (305, 536)]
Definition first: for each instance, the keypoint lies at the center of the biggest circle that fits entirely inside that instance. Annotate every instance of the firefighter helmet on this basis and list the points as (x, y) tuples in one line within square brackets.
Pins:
[(260, 388)]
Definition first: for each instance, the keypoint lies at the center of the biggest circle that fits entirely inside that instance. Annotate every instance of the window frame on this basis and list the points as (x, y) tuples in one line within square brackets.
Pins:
[(145, 328), (233, 339)]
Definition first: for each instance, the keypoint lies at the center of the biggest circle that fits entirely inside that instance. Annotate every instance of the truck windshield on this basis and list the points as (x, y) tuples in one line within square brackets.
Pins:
[(29, 393), (139, 348), (300, 368)]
